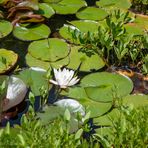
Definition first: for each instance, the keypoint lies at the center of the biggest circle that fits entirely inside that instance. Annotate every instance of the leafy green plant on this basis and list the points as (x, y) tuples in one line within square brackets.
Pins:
[(112, 42)]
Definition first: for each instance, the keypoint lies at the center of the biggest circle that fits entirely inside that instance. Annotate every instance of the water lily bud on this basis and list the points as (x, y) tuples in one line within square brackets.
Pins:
[(72, 105), (16, 92)]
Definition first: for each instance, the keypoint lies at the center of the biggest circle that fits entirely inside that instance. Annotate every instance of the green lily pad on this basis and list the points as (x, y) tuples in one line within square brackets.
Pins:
[(51, 49), (134, 29), (83, 61), (31, 32), (108, 119), (45, 10), (142, 20), (33, 62), (8, 60), (136, 100), (92, 13), (105, 86), (34, 79), (50, 113), (121, 4), (86, 25), (68, 7), (5, 28), (81, 25), (96, 108)]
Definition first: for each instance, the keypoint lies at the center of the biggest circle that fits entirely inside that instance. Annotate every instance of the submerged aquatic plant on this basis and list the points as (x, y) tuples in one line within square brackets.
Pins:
[(64, 78)]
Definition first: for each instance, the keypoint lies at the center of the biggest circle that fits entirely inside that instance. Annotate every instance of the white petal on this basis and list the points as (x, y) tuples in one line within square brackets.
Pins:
[(53, 82), (73, 81), (15, 93)]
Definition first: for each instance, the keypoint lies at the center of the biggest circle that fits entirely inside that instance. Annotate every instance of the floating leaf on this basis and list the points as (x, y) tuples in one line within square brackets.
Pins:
[(34, 79), (92, 13), (136, 100), (31, 32), (85, 62), (68, 7), (142, 20), (33, 62), (45, 10), (76, 26), (8, 60), (5, 28), (96, 108), (134, 29), (121, 4), (105, 86), (51, 49)]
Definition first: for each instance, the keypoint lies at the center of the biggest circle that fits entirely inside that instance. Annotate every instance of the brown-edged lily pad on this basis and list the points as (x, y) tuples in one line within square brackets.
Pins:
[(8, 59)]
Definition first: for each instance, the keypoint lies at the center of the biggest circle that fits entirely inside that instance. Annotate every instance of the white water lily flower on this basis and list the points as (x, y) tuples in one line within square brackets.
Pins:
[(72, 105), (64, 78), (16, 92)]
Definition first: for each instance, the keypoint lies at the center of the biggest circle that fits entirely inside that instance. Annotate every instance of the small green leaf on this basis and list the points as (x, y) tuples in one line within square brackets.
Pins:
[(67, 115), (78, 134)]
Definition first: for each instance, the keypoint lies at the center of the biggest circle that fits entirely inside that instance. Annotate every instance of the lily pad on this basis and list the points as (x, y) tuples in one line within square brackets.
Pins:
[(34, 79), (142, 20), (96, 108), (5, 28), (33, 62), (121, 4), (104, 86), (31, 32), (78, 59), (51, 49), (134, 29), (92, 13), (8, 60), (45, 10), (108, 119), (136, 100), (50, 113), (68, 7), (81, 25)]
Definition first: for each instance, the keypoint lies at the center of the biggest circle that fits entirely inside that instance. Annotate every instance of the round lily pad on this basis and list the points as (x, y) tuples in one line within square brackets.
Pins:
[(33, 62), (8, 60), (79, 59), (104, 86), (78, 26), (136, 100), (96, 107), (68, 7), (134, 29), (45, 10), (92, 13), (5, 28), (51, 49), (31, 32), (121, 4), (142, 20)]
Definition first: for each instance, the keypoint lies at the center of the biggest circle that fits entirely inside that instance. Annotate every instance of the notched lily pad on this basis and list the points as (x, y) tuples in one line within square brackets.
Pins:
[(68, 7), (84, 62), (31, 32), (5, 28), (136, 100), (105, 86), (33, 62), (92, 13), (8, 60), (51, 49), (45, 10)]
